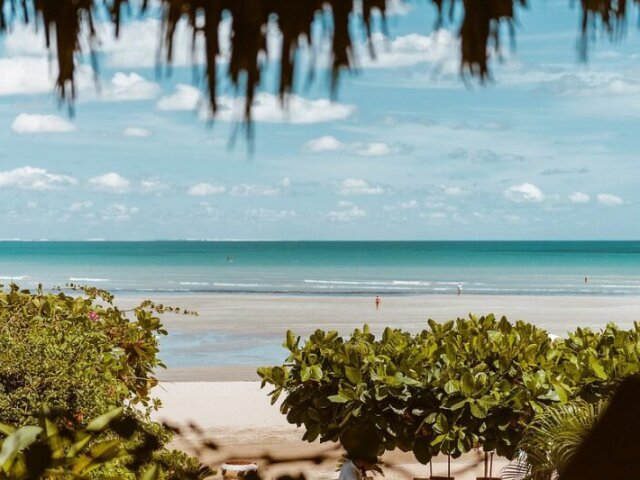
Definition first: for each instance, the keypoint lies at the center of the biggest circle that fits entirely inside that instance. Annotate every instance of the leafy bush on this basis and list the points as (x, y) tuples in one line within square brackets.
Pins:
[(82, 356), (476, 381), (79, 354), (114, 445)]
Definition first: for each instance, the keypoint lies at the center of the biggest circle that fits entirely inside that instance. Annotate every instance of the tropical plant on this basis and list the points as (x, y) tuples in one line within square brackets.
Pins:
[(593, 362), (83, 356), (80, 354), (113, 440), (471, 382), (72, 24), (551, 440)]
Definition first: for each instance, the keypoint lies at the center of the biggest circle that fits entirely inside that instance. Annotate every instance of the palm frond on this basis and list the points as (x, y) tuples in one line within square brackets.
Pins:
[(552, 439), (517, 469), (66, 21)]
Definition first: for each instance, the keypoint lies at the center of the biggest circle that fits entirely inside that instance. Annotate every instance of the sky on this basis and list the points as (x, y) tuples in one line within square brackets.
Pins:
[(408, 149)]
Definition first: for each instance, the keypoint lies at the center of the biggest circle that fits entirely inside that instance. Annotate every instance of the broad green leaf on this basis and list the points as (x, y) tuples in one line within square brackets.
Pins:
[(353, 374), (597, 368), (339, 398), (15, 443), (316, 372), (477, 410), (152, 473), (100, 423), (452, 386)]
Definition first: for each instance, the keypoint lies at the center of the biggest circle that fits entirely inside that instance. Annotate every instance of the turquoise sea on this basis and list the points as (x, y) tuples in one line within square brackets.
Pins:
[(151, 269), (330, 268)]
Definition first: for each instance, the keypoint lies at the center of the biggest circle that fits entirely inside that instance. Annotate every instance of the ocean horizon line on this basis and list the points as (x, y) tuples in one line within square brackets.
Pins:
[(249, 240)]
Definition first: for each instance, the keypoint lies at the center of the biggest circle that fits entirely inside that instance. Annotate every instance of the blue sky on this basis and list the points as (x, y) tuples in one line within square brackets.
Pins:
[(548, 150)]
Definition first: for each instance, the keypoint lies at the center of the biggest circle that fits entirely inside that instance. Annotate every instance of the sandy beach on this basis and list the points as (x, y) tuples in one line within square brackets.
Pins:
[(226, 401), (258, 322), (238, 416)]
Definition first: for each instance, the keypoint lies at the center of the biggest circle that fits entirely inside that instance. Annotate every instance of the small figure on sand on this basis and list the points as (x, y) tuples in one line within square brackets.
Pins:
[(378, 302), (586, 279), (459, 288)]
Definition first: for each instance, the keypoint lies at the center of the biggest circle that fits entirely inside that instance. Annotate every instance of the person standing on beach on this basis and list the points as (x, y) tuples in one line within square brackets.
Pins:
[(459, 287), (378, 302)]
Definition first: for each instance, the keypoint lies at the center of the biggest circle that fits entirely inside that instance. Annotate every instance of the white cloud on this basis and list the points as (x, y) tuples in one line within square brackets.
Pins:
[(366, 149), (185, 97), (348, 213), (593, 83), (398, 7), (246, 190), (33, 178), (80, 206), (205, 189), (358, 186), (110, 182), (136, 132), (27, 123), (210, 209), (36, 75), (408, 205), (434, 216), (440, 47), (30, 76), (129, 86), (285, 182), (579, 197), (455, 191), (524, 193), (119, 212), (609, 199), (373, 149), (267, 108), (24, 76), (324, 144), (137, 44), (152, 185), (268, 215)]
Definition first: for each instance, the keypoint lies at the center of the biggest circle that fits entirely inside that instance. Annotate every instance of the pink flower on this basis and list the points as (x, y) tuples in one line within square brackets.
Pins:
[(94, 316)]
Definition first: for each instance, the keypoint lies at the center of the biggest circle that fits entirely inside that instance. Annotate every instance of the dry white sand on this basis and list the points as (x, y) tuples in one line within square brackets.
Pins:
[(238, 416)]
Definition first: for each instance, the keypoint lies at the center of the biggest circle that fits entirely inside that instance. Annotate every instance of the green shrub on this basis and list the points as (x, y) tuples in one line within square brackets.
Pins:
[(456, 385), (81, 356), (114, 445)]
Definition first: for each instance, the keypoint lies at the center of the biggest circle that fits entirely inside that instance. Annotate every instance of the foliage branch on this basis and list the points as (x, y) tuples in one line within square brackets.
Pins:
[(66, 359), (456, 385)]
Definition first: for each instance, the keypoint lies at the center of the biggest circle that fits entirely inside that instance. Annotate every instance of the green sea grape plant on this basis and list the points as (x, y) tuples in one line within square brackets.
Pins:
[(593, 362), (456, 385)]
